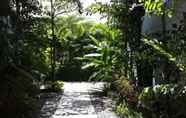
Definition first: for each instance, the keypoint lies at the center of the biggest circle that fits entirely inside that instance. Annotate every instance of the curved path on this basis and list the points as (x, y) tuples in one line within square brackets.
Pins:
[(79, 100)]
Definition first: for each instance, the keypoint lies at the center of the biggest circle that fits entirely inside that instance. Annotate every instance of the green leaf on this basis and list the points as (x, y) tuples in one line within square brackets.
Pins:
[(94, 40), (93, 55), (88, 65)]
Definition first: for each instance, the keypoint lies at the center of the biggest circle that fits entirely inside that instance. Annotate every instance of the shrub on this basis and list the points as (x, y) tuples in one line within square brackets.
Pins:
[(168, 101), (54, 86), (124, 111), (125, 89), (58, 85)]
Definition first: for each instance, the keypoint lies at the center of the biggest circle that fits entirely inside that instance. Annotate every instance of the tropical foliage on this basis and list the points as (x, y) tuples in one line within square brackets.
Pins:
[(145, 71), (143, 55), (105, 54)]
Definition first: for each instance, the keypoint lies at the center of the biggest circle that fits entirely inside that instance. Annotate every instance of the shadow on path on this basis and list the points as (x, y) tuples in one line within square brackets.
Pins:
[(48, 103), (79, 100), (104, 107)]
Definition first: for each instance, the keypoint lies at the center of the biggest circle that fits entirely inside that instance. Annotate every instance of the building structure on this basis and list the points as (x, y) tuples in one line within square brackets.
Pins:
[(153, 23)]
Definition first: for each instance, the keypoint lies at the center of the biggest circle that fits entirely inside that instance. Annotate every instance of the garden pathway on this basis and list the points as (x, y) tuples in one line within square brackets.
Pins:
[(79, 100)]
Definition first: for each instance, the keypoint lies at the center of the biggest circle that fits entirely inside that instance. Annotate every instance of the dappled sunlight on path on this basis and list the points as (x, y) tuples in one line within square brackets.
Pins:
[(79, 100)]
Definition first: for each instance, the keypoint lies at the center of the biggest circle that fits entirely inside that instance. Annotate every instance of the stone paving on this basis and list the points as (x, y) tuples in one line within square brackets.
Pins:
[(78, 100)]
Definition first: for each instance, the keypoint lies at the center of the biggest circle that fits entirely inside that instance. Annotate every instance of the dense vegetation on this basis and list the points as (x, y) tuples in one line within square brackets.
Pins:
[(145, 71), (140, 60)]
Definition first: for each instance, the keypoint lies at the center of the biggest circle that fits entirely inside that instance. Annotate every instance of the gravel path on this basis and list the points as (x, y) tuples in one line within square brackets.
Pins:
[(79, 100)]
